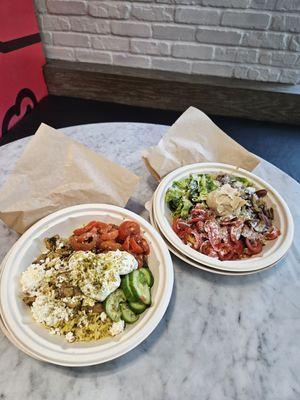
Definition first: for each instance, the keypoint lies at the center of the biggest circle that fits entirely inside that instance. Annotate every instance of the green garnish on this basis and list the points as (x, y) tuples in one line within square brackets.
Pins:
[(183, 194)]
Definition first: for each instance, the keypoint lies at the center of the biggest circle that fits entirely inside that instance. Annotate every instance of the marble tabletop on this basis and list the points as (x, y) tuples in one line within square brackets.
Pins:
[(221, 337)]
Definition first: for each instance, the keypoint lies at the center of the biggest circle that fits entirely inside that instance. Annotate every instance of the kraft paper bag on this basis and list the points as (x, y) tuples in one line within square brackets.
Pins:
[(194, 138), (55, 172)]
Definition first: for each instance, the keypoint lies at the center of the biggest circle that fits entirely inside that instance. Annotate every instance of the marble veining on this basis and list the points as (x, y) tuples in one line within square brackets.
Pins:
[(221, 338)]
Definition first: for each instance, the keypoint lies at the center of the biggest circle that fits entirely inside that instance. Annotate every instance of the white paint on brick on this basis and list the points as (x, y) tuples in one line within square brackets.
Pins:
[(135, 29), (257, 73), (153, 47), (227, 3), (129, 60), (55, 23), (187, 2), (245, 20), (240, 72), (152, 13), (197, 16), (212, 69), (283, 59), (248, 39), (295, 43), (225, 54), (173, 32), (278, 59), (60, 53), (71, 39), (193, 51), (246, 56), (169, 64), (218, 36), (109, 10), (289, 76), (263, 4), (289, 5), (93, 56), (265, 57), (110, 43), (66, 7), (287, 23), (268, 40), (89, 25)]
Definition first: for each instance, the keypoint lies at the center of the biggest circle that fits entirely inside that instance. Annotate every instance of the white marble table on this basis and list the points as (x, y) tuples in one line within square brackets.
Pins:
[(221, 338)]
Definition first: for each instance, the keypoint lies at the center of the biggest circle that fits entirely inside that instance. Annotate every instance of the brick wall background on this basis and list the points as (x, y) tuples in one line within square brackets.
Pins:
[(248, 39)]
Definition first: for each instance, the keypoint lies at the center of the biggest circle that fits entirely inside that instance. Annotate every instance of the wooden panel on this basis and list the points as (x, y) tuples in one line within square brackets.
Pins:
[(174, 91)]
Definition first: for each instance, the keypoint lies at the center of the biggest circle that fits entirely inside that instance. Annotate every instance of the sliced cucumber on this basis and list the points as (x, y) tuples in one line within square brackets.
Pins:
[(137, 307), (140, 287), (112, 304), (127, 314), (148, 276), (125, 285)]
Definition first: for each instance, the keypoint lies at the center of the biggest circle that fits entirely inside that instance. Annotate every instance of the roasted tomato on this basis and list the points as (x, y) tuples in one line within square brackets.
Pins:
[(93, 224), (195, 239), (207, 249), (110, 233), (128, 228), (238, 248), (110, 245), (273, 234), (255, 246), (126, 244), (145, 246), (140, 260), (136, 245), (214, 235), (77, 243)]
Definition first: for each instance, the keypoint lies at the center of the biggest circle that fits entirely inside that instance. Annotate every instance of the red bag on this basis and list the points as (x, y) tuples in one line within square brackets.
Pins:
[(22, 83)]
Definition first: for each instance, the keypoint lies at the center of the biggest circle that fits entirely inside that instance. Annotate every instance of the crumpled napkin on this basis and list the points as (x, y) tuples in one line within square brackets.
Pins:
[(194, 138), (56, 172)]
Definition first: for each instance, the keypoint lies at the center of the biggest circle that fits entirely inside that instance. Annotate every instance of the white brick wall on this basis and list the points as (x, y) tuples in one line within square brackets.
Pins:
[(245, 39)]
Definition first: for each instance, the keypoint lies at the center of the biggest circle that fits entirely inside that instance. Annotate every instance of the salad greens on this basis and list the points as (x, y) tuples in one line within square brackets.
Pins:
[(183, 194), (187, 192)]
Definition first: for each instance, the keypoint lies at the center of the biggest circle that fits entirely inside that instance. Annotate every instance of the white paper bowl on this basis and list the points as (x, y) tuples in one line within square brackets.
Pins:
[(272, 252), (17, 317)]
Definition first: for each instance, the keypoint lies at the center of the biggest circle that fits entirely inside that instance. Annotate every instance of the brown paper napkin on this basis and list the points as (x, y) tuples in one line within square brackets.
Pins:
[(194, 138), (56, 172)]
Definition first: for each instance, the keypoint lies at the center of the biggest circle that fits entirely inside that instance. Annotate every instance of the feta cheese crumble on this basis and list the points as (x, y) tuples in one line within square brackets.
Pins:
[(70, 337), (103, 316), (117, 328), (32, 278)]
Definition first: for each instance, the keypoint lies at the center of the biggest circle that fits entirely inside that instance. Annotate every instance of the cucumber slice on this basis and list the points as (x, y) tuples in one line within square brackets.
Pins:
[(125, 285), (137, 307), (139, 286), (148, 276), (112, 304), (128, 315)]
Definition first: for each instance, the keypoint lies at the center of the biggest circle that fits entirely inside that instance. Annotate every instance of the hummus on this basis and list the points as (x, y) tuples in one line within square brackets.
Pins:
[(225, 201)]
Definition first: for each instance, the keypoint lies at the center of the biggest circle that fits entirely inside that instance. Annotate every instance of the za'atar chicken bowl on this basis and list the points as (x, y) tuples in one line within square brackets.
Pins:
[(90, 285)]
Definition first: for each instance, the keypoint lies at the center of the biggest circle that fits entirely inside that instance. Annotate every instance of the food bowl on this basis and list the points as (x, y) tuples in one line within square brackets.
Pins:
[(191, 262), (35, 338), (272, 252)]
